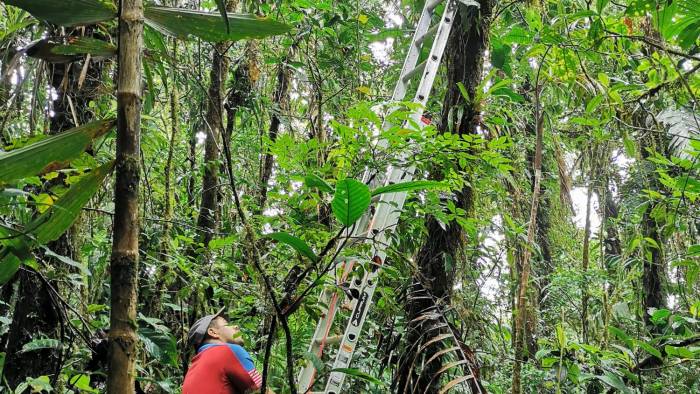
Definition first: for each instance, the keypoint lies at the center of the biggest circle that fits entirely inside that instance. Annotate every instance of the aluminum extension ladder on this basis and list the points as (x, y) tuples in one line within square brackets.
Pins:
[(387, 208)]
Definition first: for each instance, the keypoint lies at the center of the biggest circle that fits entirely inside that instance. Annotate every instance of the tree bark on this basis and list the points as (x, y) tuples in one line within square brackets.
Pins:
[(125, 243), (280, 104), (206, 222)]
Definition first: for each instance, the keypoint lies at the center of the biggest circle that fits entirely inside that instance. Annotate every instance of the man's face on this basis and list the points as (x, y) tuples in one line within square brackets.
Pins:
[(222, 330)]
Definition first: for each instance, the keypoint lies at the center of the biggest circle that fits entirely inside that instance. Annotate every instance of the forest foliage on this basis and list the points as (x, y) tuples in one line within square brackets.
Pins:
[(550, 240)]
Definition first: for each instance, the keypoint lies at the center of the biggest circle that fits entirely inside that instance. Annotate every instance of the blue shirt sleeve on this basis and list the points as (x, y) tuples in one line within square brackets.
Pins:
[(243, 356)]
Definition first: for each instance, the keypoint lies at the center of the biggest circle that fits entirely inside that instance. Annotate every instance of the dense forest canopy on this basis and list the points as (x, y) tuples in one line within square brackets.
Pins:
[(160, 160)]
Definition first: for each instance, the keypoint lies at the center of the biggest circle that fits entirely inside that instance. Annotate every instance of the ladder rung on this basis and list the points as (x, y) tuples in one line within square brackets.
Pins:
[(430, 33), (432, 4), (418, 70), (329, 340)]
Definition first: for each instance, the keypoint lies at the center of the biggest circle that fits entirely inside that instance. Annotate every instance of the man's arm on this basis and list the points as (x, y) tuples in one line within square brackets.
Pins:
[(251, 385)]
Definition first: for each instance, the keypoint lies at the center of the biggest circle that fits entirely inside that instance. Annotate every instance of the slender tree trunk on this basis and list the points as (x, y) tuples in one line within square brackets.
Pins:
[(168, 171), (525, 272), (280, 104), (585, 263), (125, 244)]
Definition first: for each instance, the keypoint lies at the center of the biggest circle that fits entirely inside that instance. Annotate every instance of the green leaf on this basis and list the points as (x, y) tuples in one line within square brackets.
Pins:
[(43, 343), (50, 153), (409, 186), (85, 45), (350, 201), (680, 352), (56, 220), (649, 349), (182, 23), (614, 381), (659, 316), (463, 90), (360, 375), (621, 335), (296, 243), (561, 336), (67, 260), (316, 181), (517, 35), (68, 12), (600, 5), (160, 345), (9, 264), (694, 250)]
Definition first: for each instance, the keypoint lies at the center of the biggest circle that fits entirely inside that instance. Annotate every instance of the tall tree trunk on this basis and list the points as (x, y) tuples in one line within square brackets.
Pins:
[(585, 262), (206, 222), (125, 242), (653, 273), (280, 104), (521, 311), (438, 257)]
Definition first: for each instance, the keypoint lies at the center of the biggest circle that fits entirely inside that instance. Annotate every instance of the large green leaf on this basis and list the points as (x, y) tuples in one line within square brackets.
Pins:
[(160, 345), (614, 381), (60, 216), (41, 343), (50, 153), (408, 186), (68, 12), (51, 224), (350, 201), (294, 242), (183, 23), (85, 45)]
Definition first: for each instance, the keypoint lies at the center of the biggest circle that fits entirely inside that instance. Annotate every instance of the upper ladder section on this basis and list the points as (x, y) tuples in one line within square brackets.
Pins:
[(387, 210)]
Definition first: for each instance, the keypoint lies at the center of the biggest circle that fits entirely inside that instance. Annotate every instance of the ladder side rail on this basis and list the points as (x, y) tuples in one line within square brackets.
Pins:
[(328, 297)]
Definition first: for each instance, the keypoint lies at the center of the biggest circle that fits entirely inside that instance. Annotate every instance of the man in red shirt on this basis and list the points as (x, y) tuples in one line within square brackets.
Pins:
[(221, 365)]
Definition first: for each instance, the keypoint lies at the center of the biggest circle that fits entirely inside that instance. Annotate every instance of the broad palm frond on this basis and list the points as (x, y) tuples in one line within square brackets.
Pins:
[(683, 126), (434, 357)]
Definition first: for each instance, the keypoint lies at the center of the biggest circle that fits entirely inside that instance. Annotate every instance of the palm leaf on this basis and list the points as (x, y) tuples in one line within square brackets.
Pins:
[(85, 45), (435, 349), (182, 23), (51, 153), (68, 12), (49, 225)]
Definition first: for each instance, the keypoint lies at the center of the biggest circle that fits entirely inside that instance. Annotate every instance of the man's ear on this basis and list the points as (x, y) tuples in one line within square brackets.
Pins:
[(212, 332)]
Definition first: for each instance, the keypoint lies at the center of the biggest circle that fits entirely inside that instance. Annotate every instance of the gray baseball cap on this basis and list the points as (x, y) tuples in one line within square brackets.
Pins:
[(198, 331)]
